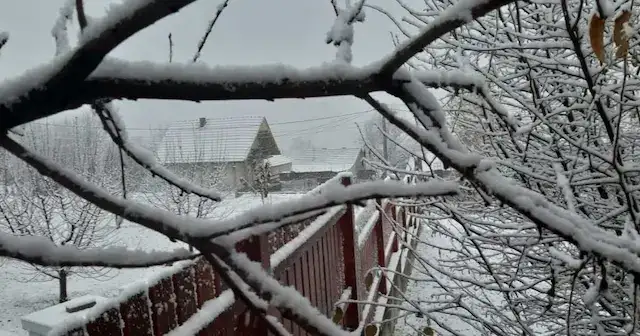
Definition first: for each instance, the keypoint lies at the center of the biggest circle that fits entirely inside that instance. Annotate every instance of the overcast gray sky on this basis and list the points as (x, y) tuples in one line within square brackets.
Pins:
[(249, 32)]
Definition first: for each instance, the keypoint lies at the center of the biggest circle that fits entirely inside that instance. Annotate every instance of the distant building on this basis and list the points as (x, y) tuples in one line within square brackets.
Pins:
[(279, 164), (231, 144), (318, 165)]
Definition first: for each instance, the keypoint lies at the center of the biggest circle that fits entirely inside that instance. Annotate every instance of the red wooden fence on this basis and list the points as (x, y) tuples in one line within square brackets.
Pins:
[(320, 258)]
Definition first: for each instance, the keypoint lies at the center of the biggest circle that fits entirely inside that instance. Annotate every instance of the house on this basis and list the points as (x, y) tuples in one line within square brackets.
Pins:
[(318, 165), (233, 145), (279, 164)]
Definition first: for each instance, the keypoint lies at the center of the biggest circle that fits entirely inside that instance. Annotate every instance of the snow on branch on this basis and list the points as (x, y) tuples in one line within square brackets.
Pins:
[(291, 304), (41, 251), (301, 238), (116, 130), (209, 311), (62, 78), (130, 16), (218, 257), (118, 79), (59, 30), (438, 140), (451, 18), (461, 79), (202, 74), (327, 197), (163, 222), (341, 33), (184, 228)]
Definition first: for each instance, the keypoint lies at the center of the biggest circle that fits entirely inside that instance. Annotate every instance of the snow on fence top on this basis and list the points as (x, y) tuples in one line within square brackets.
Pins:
[(45, 320), (80, 320), (292, 246)]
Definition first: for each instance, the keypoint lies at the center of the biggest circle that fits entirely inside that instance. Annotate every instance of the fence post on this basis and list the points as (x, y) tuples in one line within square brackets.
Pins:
[(380, 242), (347, 228), (394, 216), (257, 249)]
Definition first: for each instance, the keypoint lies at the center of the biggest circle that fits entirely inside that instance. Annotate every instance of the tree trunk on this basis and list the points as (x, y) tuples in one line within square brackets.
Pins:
[(62, 281)]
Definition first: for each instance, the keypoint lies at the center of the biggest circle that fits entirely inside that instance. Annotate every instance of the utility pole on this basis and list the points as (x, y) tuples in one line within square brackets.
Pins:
[(385, 150)]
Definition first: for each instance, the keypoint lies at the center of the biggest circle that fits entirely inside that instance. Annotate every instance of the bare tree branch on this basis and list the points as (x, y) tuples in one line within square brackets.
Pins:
[(145, 159), (450, 19), (67, 72), (41, 251), (212, 23)]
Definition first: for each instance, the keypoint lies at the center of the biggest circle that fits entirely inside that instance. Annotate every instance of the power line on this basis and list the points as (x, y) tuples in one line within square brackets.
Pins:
[(188, 128), (323, 118)]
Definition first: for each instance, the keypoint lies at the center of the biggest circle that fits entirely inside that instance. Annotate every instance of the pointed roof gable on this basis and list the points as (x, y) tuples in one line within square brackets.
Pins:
[(209, 140)]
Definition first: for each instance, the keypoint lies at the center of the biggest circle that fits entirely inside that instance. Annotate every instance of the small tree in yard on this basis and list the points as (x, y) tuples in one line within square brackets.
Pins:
[(262, 179), (33, 205)]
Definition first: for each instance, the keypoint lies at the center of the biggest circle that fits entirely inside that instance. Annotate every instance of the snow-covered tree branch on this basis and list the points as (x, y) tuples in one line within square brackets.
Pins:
[(543, 141)]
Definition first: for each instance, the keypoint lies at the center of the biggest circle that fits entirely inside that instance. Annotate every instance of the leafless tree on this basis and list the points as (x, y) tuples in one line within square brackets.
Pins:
[(34, 205), (554, 109), (191, 166)]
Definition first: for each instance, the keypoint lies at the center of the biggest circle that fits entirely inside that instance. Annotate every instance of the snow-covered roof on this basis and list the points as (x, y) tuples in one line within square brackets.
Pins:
[(278, 160), (325, 159), (209, 140)]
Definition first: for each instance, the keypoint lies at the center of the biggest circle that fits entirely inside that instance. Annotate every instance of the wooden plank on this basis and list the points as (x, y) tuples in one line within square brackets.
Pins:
[(306, 276), (286, 280), (108, 323), (379, 236), (206, 290), (135, 315), (163, 308), (322, 251), (297, 331), (184, 286), (332, 271), (301, 250), (315, 276)]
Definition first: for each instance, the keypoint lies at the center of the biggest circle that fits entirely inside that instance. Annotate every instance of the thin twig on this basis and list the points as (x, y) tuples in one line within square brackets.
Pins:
[(205, 37), (170, 48), (82, 18)]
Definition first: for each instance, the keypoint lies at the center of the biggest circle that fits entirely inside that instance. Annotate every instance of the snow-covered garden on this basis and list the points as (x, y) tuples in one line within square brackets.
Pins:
[(23, 294)]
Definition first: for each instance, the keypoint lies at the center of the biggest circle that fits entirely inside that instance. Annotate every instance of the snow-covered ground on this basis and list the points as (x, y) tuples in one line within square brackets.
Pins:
[(421, 291), (19, 297)]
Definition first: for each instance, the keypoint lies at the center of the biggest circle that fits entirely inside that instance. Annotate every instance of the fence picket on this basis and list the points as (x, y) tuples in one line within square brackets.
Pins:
[(135, 315)]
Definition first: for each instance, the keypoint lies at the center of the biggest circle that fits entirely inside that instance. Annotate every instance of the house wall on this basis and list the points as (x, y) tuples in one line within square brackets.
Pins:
[(236, 171), (229, 173), (264, 145), (360, 170), (276, 170)]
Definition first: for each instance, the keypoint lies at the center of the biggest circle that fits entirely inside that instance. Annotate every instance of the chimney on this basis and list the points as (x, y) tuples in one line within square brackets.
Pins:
[(203, 121)]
